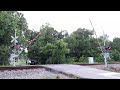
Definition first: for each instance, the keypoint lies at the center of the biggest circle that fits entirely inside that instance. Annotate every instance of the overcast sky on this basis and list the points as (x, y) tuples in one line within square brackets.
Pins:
[(109, 21)]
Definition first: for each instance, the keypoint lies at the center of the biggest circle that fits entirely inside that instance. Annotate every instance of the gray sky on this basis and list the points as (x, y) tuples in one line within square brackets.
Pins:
[(109, 21)]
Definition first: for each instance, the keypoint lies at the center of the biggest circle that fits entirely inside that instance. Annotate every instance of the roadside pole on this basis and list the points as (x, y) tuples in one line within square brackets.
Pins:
[(105, 58), (104, 39), (14, 47)]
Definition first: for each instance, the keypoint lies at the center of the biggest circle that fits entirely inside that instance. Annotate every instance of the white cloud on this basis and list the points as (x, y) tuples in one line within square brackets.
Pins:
[(71, 20)]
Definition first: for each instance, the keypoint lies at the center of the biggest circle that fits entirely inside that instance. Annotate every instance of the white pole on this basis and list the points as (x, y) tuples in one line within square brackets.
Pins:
[(14, 47), (104, 37), (105, 60)]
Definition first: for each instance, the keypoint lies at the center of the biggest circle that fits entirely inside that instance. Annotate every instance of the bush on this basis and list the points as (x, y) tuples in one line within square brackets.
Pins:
[(58, 53), (49, 61), (83, 59), (70, 60), (49, 53), (99, 59), (4, 55), (115, 55)]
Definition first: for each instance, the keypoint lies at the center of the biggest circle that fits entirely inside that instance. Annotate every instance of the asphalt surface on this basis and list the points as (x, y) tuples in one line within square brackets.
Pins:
[(83, 72)]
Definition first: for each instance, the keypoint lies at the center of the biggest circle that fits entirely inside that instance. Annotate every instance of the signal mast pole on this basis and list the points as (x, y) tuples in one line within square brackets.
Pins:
[(105, 59), (14, 46), (103, 52)]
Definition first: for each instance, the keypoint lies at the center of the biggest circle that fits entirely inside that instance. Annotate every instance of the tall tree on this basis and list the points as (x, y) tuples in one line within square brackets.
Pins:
[(9, 21), (79, 42), (116, 44), (48, 48), (7, 25), (58, 54)]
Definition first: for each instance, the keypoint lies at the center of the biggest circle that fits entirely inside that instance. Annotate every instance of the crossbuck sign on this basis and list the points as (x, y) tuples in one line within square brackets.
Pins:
[(14, 39)]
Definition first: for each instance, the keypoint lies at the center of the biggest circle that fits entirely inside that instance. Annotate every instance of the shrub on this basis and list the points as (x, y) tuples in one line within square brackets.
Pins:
[(4, 55), (83, 59), (115, 55), (98, 59), (70, 60)]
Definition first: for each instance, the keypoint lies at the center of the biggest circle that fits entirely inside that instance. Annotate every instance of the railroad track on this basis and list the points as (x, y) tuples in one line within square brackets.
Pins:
[(20, 67), (31, 67), (38, 66)]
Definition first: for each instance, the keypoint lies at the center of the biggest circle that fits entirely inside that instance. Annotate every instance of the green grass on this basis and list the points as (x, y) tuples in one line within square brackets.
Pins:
[(78, 63), (84, 63), (4, 65), (21, 63), (18, 63)]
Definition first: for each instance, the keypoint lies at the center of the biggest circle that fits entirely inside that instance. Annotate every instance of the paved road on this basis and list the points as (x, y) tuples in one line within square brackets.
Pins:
[(83, 71)]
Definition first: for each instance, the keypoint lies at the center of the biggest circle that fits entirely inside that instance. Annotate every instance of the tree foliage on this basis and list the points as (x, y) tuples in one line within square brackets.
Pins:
[(51, 46), (9, 21), (48, 48), (79, 42)]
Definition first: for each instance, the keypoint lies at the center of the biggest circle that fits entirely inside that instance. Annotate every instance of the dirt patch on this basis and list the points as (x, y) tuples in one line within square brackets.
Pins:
[(110, 67)]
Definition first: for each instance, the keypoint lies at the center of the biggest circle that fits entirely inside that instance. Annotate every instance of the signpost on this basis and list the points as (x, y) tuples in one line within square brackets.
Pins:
[(104, 39), (13, 56), (14, 41), (104, 53)]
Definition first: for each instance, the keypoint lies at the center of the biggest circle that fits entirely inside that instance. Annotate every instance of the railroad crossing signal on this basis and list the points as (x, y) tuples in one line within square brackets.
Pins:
[(13, 56), (26, 51), (108, 48), (14, 39), (105, 55)]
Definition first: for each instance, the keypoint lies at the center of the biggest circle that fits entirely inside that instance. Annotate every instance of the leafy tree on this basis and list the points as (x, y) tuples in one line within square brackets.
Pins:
[(116, 44), (4, 55), (58, 55), (47, 47), (79, 42), (115, 55), (62, 34), (9, 21), (7, 26), (48, 34)]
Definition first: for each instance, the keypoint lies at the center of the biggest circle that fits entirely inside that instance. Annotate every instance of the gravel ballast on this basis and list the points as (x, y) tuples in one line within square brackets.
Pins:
[(31, 74)]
